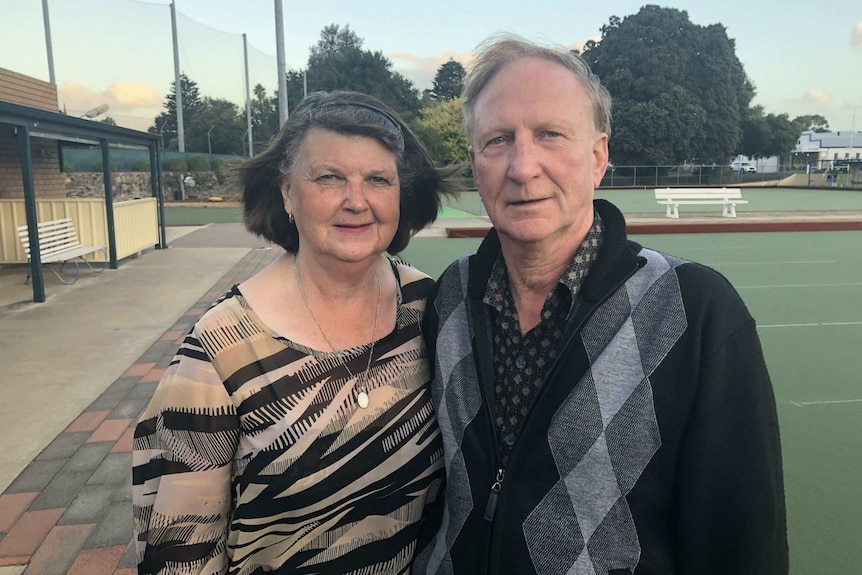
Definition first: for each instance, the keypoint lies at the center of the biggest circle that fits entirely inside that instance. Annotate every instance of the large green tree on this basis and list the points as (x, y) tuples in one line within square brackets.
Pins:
[(814, 122), (441, 128), (767, 135), (166, 122), (264, 117), (679, 90), (448, 81), (338, 62), (219, 125)]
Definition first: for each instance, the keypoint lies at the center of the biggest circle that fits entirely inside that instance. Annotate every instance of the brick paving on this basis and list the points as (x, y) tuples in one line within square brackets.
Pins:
[(69, 511)]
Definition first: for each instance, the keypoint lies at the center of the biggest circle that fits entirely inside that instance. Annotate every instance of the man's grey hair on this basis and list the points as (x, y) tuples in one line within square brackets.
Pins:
[(500, 50)]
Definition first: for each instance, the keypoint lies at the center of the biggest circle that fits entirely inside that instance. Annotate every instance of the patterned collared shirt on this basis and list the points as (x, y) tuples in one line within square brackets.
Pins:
[(522, 362)]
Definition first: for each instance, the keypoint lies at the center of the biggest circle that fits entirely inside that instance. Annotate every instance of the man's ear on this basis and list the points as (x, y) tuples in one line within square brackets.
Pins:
[(600, 158)]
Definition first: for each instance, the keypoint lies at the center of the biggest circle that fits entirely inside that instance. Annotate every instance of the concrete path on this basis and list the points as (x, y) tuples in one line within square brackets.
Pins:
[(76, 372)]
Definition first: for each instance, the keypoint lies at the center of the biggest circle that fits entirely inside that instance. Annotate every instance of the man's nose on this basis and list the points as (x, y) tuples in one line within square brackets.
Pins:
[(523, 161)]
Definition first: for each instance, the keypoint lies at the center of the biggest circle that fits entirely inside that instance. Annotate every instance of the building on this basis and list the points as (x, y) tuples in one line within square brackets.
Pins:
[(33, 134), (823, 150)]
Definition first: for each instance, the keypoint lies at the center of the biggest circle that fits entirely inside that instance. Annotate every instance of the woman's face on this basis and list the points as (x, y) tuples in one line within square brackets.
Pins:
[(343, 192)]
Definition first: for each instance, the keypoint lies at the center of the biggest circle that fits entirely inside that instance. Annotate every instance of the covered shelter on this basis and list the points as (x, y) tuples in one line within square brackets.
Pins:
[(29, 124)]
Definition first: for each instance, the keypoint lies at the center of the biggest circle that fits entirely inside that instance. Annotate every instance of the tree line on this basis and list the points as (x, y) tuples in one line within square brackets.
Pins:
[(680, 95)]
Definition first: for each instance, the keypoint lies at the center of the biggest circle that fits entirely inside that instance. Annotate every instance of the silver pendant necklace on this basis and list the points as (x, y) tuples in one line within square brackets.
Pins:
[(362, 381)]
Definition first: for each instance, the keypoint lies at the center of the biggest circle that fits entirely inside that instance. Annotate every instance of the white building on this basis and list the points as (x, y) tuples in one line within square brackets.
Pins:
[(823, 149)]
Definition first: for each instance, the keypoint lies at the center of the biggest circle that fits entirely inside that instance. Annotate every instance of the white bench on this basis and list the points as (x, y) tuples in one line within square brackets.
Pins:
[(675, 197), (58, 243)]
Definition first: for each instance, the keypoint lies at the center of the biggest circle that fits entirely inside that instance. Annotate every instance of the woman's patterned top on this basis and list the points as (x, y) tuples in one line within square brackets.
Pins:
[(254, 456)]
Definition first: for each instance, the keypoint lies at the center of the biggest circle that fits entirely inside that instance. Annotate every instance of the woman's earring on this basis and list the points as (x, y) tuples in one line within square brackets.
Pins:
[(290, 217)]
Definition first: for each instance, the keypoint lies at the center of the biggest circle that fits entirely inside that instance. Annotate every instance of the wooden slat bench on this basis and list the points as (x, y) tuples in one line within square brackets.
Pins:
[(58, 243), (675, 197)]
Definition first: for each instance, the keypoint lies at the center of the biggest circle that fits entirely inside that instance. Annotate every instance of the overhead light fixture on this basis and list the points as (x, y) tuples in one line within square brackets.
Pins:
[(97, 111)]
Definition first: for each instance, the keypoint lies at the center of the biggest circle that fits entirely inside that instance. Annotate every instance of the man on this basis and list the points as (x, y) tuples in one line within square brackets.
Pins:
[(605, 408)]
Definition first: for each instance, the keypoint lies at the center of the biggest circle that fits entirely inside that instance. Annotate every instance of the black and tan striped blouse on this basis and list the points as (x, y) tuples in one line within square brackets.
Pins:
[(254, 456)]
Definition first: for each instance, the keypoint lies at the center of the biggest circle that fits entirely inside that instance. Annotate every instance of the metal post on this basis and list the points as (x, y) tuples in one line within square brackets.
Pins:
[(178, 91), (158, 192), (305, 83), (209, 143), (109, 203), (32, 216), (247, 99), (282, 70), (50, 50)]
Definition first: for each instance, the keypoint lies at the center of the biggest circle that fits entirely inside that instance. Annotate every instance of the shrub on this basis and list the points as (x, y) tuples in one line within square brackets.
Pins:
[(223, 167), (176, 165), (198, 164), (68, 169), (142, 166), (100, 166)]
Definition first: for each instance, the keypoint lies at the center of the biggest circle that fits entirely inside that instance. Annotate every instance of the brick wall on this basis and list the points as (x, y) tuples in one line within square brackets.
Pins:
[(48, 180), (20, 89)]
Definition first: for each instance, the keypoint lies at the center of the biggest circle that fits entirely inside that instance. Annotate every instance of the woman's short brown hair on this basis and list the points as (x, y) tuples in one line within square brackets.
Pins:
[(350, 114)]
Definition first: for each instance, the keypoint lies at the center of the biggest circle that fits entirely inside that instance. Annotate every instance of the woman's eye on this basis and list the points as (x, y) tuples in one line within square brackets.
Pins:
[(380, 181)]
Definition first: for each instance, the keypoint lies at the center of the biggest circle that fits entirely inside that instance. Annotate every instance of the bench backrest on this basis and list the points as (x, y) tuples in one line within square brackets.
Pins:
[(54, 236), (698, 194)]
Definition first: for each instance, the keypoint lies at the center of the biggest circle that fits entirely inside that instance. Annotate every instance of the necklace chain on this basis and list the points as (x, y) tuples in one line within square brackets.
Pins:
[(361, 381)]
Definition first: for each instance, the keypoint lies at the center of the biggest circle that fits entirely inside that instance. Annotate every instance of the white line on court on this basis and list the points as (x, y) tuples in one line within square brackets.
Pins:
[(805, 403), (773, 263), (801, 285), (825, 324)]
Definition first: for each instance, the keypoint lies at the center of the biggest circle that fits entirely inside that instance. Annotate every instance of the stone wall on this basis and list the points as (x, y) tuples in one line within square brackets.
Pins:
[(131, 185)]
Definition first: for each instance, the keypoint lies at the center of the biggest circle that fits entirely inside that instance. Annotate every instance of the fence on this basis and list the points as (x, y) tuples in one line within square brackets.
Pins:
[(690, 175), (135, 224)]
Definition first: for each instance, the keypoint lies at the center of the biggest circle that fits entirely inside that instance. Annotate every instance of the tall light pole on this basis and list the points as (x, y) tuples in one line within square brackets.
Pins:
[(178, 91), (209, 144), (282, 71), (47, 21)]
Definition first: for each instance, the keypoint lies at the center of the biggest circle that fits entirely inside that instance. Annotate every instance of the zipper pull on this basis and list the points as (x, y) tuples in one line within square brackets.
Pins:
[(491, 507)]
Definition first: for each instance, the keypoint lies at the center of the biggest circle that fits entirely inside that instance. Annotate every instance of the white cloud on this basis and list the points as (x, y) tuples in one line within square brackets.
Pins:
[(857, 34), (816, 97), (579, 45), (422, 69), (131, 104)]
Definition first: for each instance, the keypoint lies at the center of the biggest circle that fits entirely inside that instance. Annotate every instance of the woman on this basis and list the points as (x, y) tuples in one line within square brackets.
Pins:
[(293, 432)]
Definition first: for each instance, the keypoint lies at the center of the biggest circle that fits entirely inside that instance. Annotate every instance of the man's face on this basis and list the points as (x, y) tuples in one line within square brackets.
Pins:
[(536, 156)]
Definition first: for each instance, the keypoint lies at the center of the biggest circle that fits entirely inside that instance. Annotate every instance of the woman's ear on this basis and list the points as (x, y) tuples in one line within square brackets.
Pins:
[(285, 196)]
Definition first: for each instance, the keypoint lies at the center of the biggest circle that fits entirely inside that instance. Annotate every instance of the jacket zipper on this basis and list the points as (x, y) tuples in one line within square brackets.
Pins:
[(491, 507), (497, 485)]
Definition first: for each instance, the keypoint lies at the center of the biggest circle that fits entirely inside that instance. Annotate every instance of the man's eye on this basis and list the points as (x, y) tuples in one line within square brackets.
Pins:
[(496, 141), (326, 177), (551, 134)]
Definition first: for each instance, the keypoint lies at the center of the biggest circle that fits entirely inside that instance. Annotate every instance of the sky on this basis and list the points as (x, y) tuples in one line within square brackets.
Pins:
[(803, 57)]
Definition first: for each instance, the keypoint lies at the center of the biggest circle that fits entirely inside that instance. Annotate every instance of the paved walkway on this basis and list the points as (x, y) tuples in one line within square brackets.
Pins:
[(66, 437)]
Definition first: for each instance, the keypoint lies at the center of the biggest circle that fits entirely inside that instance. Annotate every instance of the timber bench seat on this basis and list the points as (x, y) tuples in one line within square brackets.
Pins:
[(58, 243), (675, 197)]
